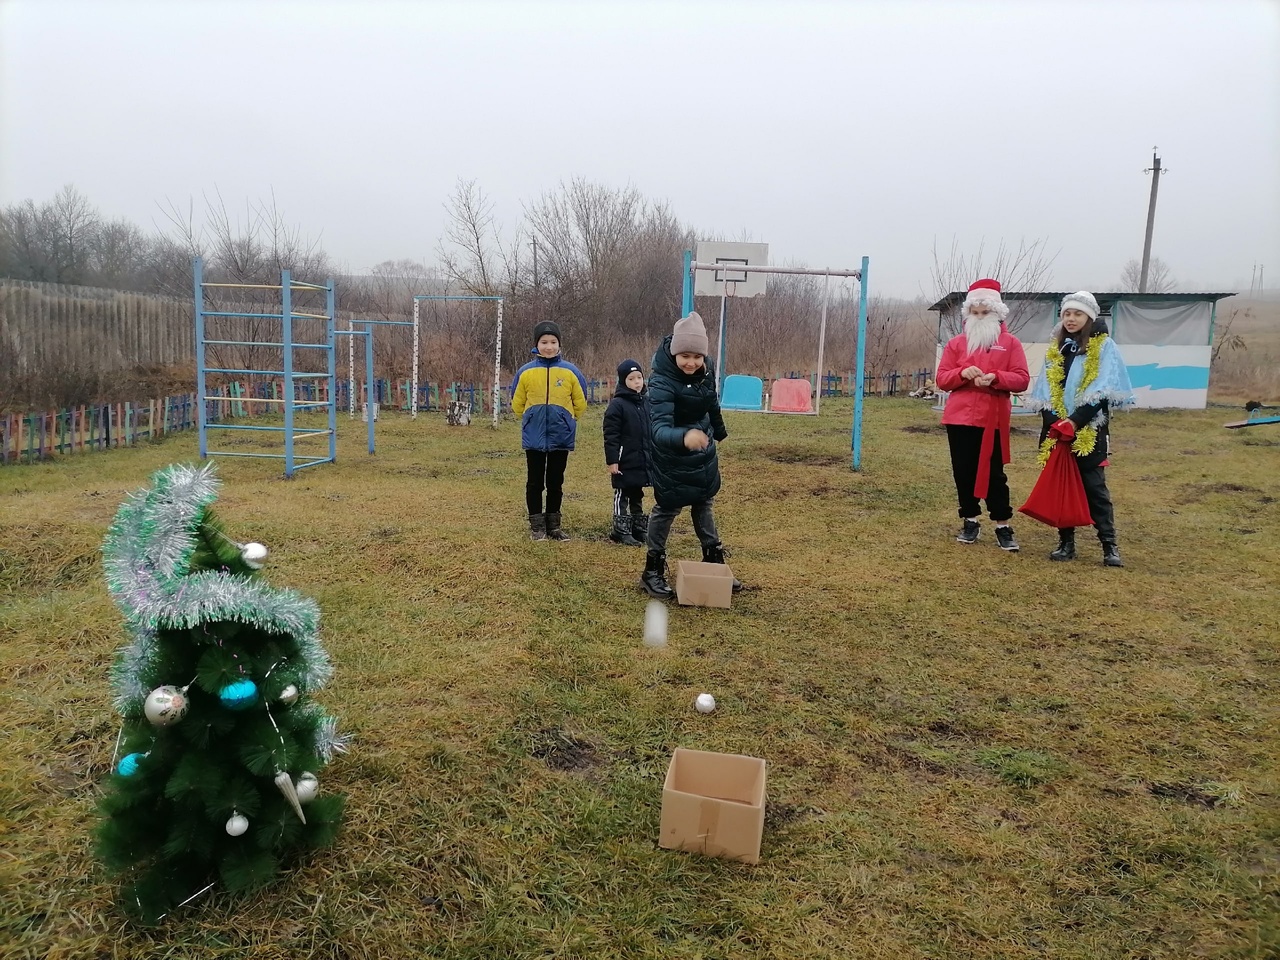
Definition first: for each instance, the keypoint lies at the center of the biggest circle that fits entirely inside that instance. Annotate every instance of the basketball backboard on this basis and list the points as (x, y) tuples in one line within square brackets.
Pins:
[(711, 283)]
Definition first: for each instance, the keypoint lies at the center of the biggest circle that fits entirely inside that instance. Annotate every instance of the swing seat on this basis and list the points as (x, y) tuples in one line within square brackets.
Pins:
[(791, 396), (740, 392)]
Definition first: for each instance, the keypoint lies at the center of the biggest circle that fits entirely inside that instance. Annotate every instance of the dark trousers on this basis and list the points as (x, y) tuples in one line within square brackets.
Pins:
[(966, 450), (628, 496), (704, 525), (1100, 508), (545, 469)]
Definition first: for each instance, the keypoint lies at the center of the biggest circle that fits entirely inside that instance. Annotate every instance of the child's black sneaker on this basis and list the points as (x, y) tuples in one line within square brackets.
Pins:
[(969, 532), (1006, 539)]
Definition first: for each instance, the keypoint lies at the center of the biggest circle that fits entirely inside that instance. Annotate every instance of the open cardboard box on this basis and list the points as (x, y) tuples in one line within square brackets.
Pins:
[(713, 803), (703, 584)]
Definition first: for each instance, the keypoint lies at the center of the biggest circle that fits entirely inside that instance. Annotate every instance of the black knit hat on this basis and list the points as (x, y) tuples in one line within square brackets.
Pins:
[(545, 327), (626, 368)]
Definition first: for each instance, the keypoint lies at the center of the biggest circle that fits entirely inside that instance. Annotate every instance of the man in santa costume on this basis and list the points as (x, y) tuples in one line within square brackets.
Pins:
[(981, 368)]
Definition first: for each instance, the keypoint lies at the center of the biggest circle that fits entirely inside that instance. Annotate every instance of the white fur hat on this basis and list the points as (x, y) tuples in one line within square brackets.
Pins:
[(1081, 300)]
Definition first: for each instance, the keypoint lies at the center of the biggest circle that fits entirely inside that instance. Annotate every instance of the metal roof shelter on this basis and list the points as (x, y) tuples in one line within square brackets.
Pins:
[(1165, 338)]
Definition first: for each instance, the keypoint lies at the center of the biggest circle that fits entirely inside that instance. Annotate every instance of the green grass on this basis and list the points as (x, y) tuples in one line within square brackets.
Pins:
[(972, 754)]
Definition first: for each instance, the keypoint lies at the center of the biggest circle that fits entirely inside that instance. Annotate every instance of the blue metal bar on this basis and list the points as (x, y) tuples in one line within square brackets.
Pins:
[(422, 296), (686, 295), (331, 308), (256, 456), (264, 343), (269, 373), (310, 463), (368, 378), (388, 323), (286, 308), (861, 366), (322, 373), (197, 270), (258, 316), (218, 425)]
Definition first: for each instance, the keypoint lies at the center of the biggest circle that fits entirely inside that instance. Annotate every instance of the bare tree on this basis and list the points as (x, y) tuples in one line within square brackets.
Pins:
[(467, 251), (1026, 269), (1159, 279)]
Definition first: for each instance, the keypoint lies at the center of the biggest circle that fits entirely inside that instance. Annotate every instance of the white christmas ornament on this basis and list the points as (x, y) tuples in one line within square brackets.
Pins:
[(254, 554), (289, 695), (655, 624), (165, 705), (237, 825), (705, 703), (307, 787), (284, 783)]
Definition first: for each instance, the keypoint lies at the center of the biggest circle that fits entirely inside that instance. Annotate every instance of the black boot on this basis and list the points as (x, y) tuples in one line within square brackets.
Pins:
[(537, 526), (621, 532), (1066, 546), (640, 526), (654, 578), (1111, 554), (553, 527), (716, 555)]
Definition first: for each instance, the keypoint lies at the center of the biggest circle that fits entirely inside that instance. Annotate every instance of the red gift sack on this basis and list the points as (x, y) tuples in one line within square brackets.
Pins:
[(1058, 497)]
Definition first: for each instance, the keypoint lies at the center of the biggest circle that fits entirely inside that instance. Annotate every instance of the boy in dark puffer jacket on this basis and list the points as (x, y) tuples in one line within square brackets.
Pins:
[(684, 425), (626, 434)]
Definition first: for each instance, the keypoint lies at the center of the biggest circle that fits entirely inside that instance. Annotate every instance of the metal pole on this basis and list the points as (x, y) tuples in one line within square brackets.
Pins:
[(686, 294), (861, 367), (822, 341), (413, 380), (286, 312), (368, 374), (497, 369), (1151, 222), (197, 269), (724, 316), (351, 368), (331, 337)]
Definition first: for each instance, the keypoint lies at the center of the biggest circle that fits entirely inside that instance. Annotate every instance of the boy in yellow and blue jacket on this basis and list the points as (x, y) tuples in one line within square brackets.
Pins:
[(549, 398)]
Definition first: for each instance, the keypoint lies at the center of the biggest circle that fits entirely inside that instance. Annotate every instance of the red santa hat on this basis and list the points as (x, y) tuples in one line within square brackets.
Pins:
[(986, 291)]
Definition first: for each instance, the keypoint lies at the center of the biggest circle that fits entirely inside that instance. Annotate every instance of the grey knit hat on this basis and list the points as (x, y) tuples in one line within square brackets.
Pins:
[(690, 336)]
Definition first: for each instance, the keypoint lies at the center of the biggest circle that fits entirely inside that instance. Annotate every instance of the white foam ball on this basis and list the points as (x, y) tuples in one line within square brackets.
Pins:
[(705, 703)]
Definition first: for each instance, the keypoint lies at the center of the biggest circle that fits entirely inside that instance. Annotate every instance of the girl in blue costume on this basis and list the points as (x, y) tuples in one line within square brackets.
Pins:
[(1083, 380)]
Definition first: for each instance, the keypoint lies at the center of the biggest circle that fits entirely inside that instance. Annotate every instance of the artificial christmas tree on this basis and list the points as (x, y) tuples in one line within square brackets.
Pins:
[(221, 741)]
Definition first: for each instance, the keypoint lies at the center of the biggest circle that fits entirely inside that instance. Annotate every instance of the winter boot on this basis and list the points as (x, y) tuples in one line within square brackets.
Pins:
[(640, 526), (553, 527), (1066, 546), (1006, 539), (622, 532), (716, 555), (537, 526), (654, 578), (1111, 554), (969, 532)]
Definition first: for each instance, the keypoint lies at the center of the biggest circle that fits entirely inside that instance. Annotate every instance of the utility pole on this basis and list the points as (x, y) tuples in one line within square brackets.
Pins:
[(1155, 170)]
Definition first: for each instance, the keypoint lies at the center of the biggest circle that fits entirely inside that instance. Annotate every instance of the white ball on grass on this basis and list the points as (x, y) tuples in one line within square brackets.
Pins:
[(705, 703)]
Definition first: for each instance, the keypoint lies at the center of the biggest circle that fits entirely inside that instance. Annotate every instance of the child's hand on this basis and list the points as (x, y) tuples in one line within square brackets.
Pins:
[(696, 440), (971, 373), (986, 380), (615, 469)]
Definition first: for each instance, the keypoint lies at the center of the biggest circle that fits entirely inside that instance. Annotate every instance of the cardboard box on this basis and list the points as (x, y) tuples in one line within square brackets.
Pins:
[(703, 584), (713, 803)]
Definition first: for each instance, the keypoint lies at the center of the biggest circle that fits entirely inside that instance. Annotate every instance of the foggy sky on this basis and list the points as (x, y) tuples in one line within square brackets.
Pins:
[(847, 129)]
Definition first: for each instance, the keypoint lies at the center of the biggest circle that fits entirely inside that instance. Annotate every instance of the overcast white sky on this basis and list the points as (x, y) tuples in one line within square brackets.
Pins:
[(858, 127)]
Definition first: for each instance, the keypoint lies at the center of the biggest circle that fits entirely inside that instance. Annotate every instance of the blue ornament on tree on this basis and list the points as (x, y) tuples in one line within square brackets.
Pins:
[(128, 765), (240, 695)]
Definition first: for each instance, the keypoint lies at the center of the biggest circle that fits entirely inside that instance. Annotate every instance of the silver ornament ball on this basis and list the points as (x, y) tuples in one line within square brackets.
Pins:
[(289, 695), (254, 554), (237, 825), (307, 787)]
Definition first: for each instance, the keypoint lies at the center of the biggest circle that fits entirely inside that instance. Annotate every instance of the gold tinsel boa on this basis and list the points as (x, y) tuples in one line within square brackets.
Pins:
[(1056, 372)]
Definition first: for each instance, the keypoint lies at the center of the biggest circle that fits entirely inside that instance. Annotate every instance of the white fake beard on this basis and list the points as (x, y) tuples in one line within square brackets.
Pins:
[(983, 332)]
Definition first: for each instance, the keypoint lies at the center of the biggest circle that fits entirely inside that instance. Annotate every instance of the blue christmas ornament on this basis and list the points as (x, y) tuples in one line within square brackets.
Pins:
[(128, 765), (240, 695)]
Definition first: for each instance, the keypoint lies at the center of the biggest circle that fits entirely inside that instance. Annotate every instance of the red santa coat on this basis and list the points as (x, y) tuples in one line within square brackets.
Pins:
[(986, 407)]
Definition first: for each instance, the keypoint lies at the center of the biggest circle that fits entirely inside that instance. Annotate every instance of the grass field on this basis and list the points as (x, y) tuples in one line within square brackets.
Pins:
[(972, 754)]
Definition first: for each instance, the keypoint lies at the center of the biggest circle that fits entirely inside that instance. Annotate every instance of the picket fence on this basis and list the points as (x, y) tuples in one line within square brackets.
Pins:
[(29, 437)]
